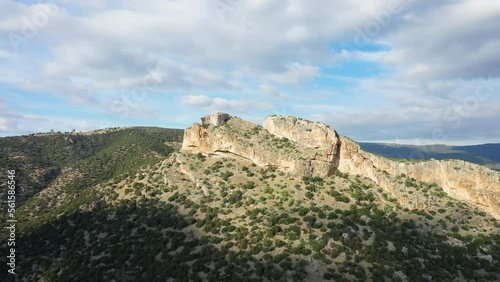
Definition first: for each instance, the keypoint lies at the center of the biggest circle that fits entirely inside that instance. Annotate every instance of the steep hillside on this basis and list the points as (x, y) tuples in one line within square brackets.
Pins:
[(82, 160), (475, 184), (486, 154), (314, 149), (239, 202)]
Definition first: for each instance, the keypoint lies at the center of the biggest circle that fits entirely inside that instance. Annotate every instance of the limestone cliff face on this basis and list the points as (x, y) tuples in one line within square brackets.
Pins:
[(237, 138), (215, 119), (460, 180), (307, 133), (307, 148)]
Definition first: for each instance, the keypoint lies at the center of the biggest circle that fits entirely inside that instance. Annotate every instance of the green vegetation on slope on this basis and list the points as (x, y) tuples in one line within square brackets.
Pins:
[(143, 241), (38, 160), (188, 238), (150, 216)]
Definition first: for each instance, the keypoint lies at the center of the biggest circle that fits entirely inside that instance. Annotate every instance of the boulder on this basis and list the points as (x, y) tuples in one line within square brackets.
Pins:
[(215, 119)]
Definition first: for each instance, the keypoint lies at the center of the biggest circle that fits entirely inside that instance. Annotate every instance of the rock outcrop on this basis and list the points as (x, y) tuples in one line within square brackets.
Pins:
[(241, 139), (215, 119), (459, 179), (307, 133), (302, 147)]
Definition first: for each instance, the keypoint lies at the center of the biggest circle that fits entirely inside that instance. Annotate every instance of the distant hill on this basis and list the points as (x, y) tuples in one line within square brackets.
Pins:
[(486, 154)]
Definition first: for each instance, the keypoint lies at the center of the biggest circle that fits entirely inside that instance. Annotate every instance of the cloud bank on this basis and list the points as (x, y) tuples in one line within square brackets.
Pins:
[(377, 70)]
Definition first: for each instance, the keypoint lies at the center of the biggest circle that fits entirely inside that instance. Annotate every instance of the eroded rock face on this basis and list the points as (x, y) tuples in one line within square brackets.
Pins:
[(241, 139), (306, 148), (215, 119), (307, 133), (459, 179)]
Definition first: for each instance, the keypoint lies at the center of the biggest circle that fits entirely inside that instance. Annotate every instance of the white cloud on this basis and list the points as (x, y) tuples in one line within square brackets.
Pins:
[(235, 106), (199, 101), (272, 91), (12, 122), (116, 45), (295, 73), (465, 45), (265, 55), (4, 124)]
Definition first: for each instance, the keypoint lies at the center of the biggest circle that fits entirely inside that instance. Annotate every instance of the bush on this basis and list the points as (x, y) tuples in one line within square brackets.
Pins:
[(226, 175), (332, 215), (279, 243), (249, 185), (138, 185)]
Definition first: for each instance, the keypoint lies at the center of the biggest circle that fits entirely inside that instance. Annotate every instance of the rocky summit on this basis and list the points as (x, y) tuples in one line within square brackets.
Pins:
[(300, 147), (306, 148), (230, 200)]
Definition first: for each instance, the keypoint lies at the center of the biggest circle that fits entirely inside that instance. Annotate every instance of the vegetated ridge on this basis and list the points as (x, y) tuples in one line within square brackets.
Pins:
[(320, 151), (290, 201)]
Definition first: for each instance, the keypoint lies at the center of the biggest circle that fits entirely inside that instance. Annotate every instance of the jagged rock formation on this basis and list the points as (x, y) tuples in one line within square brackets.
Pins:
[(215, 119), (307, 133), (309, 148), (459, 179), (241, 139)]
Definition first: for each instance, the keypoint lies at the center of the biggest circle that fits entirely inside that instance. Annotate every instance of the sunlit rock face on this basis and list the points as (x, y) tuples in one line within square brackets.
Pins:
[(282, 144), (215, 119), (459, 179), (302, 147), (307, 133)]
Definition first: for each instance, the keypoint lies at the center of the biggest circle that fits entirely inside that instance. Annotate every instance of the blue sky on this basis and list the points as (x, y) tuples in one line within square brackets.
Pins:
[(407, 71)]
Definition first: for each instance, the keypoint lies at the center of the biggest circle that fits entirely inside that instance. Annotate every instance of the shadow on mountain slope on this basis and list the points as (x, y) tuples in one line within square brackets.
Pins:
[(150, 240)]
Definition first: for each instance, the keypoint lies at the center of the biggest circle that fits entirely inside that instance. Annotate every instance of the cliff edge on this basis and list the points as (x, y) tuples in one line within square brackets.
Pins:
[(305, 148)]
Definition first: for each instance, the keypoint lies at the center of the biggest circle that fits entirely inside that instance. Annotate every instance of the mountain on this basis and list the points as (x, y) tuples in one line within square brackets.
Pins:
[(317, 150), (229, 200), (486, 154)]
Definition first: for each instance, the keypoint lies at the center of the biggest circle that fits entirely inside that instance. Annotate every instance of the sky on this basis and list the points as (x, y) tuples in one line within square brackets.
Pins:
[(404, 71)]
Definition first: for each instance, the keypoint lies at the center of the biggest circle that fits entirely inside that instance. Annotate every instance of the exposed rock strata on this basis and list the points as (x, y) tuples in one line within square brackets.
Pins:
[(307, 133), (459, 179), (309, 148), (242, 139), (215, 119)]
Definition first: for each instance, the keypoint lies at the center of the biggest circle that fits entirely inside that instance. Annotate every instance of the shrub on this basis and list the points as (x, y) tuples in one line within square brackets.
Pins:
[(279, 243), (268, 190), (138, 185), (226, 175), (249, 185)]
